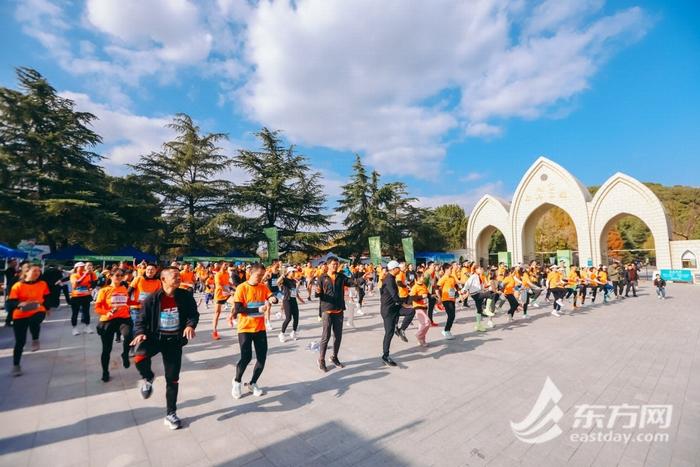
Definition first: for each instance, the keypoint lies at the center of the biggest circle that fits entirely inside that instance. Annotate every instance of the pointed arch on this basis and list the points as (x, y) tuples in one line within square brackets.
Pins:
[(490, 213)]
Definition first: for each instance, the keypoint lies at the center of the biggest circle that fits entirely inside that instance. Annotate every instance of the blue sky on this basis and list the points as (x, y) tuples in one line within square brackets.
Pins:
[(456, 99)]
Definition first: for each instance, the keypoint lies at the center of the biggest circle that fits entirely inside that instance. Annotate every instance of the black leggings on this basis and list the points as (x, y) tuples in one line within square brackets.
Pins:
[(558, 293), (431, 307), (20, 326), (107, 330), (291, 313), (479, 302), (513, 302), (360, 295), (450, 310), (247, 340), (171, 349), (82, 305)]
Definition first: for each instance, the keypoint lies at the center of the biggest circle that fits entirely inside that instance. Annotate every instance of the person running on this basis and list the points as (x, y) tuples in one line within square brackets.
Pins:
[(509, 293), (420, 296), (27, 302), (165, 323), (290, 295), (222, 292), (112, 305), (250, 300), (474, 287), (82, 283), (309, 276), (448, 287), (556, 284), (187, 278), (330, 289), (391, 307)]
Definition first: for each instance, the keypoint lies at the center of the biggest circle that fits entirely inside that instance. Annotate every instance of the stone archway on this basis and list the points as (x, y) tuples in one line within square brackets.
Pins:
[(545, 184), (483, 241), (528, 232)]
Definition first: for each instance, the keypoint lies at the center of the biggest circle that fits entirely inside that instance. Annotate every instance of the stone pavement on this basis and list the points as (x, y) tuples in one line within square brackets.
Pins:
[(451, 404)]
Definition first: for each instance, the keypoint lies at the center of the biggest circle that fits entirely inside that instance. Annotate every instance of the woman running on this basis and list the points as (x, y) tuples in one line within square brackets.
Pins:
[(112, 305), (448, 286), (27, 304), (419, 295), (509, 292), (288, 286)]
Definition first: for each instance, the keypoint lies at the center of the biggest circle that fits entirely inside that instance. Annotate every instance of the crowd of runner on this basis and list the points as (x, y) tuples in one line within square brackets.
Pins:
[(149, 309)]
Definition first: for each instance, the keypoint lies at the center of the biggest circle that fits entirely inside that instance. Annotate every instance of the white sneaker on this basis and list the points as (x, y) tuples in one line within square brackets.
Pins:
[(489, 324), (555, 313), (526, 316), (535, 304), (282, 337), (257, 392), (350, 324), (448, 335), (359, 312), (559, 302), (88, 329), (76, 331), (237, 390), (293, 335)]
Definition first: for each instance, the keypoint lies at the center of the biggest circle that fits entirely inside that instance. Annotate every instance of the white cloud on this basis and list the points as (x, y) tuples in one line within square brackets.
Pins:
[(125, 135), (467, 199), (343, 75), (472, 177)]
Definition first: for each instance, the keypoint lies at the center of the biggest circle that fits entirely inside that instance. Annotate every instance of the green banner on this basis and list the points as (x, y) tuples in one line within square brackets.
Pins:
[(408, 255), (216, 259), (103, 258), (375, 250), (272, 244)]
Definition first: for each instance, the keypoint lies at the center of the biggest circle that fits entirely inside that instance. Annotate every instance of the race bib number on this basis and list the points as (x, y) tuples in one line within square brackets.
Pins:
[(452, 293), (169, 320), (254, 308), (119, 300), (82, 289), (143, 296), (293, 293)]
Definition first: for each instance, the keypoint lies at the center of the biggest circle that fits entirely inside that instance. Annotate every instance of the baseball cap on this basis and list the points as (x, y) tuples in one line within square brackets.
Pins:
[(392, 264), (79, 264), (290, 269)]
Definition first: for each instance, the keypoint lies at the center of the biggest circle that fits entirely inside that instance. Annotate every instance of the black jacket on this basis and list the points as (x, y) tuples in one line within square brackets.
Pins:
[(390, 300), (148, 320), (332, 295)]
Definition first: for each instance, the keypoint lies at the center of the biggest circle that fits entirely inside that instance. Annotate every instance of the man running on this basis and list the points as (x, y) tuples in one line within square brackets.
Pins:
[(165, 323), (331, 292), (222, 292), (391, 308), (81, 283)]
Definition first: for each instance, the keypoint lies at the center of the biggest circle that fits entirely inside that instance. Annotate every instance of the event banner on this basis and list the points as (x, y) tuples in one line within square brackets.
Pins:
[(375, 250), (272, 244), (408, 250)]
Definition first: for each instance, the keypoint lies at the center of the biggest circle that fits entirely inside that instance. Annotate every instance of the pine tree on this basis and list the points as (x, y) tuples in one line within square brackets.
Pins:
[(50, 183), (184, 175), (283, 191)]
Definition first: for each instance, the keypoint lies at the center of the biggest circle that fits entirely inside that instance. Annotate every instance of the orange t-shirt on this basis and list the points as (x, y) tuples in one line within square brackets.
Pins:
[(80, 288), (186, 279), (114, 299), (554, 279), (448, 285), (401, 283), (222, 290), (29, 292), (254, 297), (509, 285), (143, 287), (419, 288)]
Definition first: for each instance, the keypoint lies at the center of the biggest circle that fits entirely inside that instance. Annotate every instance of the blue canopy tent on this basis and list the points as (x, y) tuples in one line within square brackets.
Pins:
[(136, 253), (7, 252), (68, 253), (435, 256)]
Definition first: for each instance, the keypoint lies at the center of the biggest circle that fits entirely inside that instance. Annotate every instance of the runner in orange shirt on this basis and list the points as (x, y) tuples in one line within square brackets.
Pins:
[(222, 292), (81, 282), (112, 305), (187, 278), (26, 302), (250, 301)]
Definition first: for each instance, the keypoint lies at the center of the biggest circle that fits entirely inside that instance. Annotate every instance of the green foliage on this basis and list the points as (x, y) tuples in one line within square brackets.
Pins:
[(184, 176), (282, 192), (451, 223)]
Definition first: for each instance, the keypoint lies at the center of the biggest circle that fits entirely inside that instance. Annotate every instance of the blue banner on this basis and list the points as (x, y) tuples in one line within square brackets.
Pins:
[(677, 275)]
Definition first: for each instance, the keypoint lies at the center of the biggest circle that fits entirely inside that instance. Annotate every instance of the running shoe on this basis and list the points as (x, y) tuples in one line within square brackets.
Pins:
[(215, 335), (76, 331), (479, 328), (35, 345), (322, 366), (282, 337), (433, 324), (555, 313), (172, 421), (294, 335), (448, 335), (388, 361), (146, 388), (125, 360), (236, 390), (488, 313), (88, 329), (402, 334), (105, 376), (16, 370), (256, 390), (489, 324), (336, 362)]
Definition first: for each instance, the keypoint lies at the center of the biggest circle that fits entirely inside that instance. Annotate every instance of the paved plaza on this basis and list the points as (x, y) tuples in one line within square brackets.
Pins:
[(449, 405)]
